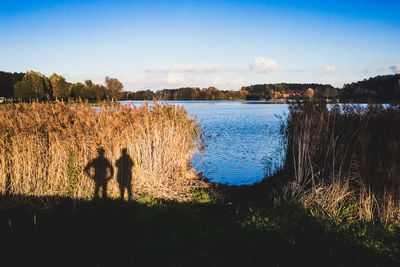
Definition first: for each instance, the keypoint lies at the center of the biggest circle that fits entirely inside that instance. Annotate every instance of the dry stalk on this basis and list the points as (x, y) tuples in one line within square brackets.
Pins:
[(44, 148)]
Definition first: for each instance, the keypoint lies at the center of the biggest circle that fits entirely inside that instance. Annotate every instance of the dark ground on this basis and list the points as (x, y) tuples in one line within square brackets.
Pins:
[(242, 229)]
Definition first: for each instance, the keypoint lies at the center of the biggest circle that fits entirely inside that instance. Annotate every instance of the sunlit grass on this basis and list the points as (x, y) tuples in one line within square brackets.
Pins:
[(45, 147)]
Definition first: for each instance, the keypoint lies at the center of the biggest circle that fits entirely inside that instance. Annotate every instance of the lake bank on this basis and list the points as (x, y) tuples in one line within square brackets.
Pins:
[(244, 232), (218, 225)]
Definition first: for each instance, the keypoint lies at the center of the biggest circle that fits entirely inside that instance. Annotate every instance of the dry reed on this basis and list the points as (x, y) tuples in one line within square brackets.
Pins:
[(44, 148), (343, 162)]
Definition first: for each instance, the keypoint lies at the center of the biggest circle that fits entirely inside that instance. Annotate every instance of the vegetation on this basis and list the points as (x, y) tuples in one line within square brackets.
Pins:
[(253, 92), (187, 93), (7, 82), (334, 203), (245, 231), (34, 85), (44, 149), (60, 88), (292, 90), (381, 89), (113, 88), (342, 162)]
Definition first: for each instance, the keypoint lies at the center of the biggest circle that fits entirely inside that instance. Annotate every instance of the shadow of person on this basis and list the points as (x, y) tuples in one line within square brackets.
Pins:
[(103, 171), (124, 175), (8, 185)]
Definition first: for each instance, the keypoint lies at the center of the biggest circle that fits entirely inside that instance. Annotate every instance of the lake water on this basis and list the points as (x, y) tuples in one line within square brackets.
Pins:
[(242, 141)]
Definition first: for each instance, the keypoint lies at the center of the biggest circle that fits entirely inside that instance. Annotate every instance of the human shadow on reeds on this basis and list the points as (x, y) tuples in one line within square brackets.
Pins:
[(124, 174), (103, 172), (8, 184)]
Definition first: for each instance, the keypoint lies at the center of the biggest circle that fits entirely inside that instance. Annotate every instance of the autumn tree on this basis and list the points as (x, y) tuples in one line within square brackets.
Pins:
[(78, 90), (243, 93), (59, 86), (309, 93), (113, 88), (33, 85), (88, 83), (144, 95), (95, 91)]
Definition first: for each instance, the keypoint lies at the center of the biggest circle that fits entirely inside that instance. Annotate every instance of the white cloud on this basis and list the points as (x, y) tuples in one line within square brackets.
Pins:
[(157, 81), (263, 64), (217, 81), (395, 68), (175, 78), (238, 81), (242, 68), (329, 68), (200, 68), (137, 78), (260, 64), (197, 75)]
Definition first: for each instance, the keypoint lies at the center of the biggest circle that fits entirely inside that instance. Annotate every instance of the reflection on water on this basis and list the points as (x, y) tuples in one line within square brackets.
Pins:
[(242, 140)]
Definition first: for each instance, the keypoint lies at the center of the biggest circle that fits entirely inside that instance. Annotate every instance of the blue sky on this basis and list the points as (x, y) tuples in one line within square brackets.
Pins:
[(227, 44)]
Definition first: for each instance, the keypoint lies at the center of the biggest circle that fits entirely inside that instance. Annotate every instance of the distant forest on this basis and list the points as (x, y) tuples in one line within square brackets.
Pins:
[(34, 85), (253, 92), (382, 89)]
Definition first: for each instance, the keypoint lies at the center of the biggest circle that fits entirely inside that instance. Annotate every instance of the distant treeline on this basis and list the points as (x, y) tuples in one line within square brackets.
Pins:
[(7, 82), (34, 85), (380, 89), (290, 90), (253, 92), (187, 93)]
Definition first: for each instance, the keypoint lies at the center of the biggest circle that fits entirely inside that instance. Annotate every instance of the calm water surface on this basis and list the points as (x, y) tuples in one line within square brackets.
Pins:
[(242, 141)]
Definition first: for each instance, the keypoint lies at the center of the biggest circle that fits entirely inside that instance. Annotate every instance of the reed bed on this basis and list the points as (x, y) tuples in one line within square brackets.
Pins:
[(44, 149), (343, 161)]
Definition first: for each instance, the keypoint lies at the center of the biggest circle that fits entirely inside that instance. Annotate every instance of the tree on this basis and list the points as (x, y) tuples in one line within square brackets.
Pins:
[(113, 88), (33, 85), (88, 83), (60, 86), (144, 95), (243, 93), (78, 90), (8, 81), (309, 93), (95, 91), (380, 89)]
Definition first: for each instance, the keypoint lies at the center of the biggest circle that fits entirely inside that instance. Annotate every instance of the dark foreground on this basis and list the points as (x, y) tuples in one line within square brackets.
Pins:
[(201, 233)]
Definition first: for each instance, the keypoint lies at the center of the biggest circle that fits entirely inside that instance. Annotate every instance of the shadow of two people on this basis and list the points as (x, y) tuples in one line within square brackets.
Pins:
[(104, 171)]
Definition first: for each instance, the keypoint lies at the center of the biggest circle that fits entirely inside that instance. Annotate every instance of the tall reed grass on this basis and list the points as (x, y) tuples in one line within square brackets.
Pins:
[(343, 161), (44, 148)]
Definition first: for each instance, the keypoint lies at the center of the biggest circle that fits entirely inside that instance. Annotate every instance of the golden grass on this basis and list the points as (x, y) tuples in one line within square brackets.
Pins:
[(44, 148)]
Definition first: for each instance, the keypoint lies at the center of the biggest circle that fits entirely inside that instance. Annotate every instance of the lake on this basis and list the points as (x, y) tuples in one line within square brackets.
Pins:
[(241, 139)]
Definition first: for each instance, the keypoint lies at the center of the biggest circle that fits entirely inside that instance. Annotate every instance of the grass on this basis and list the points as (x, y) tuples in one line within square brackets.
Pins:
[(320, 210), (159, 232), (342, 163), (45, 149)]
